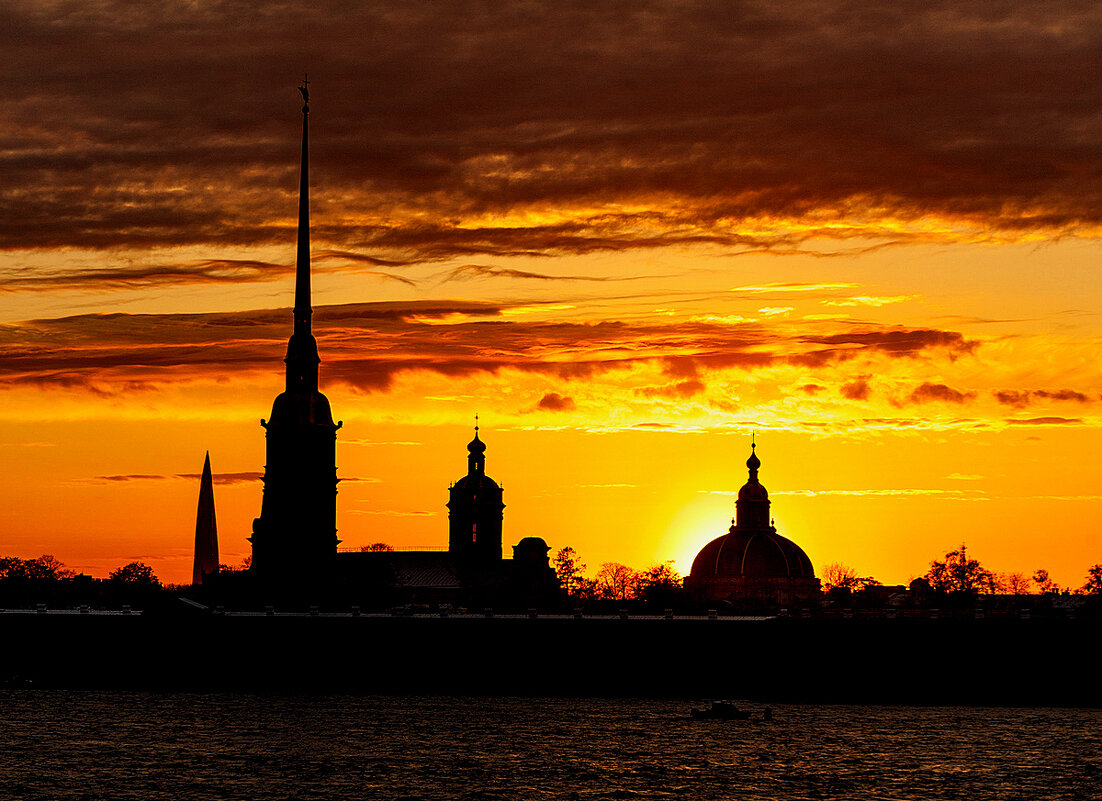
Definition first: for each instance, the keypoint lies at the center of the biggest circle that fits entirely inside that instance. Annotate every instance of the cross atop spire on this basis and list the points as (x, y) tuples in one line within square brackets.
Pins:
[(305, 89)]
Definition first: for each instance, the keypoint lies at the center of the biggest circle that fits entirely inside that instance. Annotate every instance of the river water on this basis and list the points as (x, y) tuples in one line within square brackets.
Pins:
[(118, 745)]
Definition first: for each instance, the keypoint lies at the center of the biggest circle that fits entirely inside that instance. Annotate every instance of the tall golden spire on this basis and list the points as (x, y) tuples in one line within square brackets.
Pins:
[(302, 350), (303, 311)]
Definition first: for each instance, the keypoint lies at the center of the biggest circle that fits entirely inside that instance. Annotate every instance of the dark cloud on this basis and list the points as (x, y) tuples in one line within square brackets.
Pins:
[(226, 478), (899, 341), (812, 389), (218, 271), (858, 389), (366, 345), (1064, 395), (652, 123), (940, 392), (219, 478), (1044, 421), (554, 402), (488, 271), (1025, 397), (130, 477), (1012, 397)]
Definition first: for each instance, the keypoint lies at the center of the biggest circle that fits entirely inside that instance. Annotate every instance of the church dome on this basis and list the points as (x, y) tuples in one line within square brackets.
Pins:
[(476, 446), (752, 561), (757, 554)]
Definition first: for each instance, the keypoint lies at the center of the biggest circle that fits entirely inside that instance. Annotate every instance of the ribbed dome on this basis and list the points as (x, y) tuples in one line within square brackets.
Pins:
[(758, 554)]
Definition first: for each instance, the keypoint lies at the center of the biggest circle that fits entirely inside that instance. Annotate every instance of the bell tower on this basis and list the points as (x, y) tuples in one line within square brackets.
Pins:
[(475, 512), (295, 537)]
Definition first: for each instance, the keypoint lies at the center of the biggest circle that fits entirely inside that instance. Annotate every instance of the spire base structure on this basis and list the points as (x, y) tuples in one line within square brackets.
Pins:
[(295, 538)]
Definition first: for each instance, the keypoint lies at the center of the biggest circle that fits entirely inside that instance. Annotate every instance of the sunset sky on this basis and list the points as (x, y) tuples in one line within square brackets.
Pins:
[(625, 234)]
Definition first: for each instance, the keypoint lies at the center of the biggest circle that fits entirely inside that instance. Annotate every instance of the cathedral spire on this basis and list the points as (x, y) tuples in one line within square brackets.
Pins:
[(302, 349), (296, 533), (303, 312)]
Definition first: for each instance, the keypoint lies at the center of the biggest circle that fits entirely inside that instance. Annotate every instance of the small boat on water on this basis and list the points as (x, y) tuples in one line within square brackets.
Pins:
[(720, 710)]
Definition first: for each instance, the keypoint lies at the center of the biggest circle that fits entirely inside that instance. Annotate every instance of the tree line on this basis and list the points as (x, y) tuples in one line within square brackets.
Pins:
[(45, 579), (960, 572), (614, 581)]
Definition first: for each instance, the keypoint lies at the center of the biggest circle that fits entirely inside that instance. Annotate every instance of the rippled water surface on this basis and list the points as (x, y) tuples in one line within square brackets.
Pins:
[(83, 745)]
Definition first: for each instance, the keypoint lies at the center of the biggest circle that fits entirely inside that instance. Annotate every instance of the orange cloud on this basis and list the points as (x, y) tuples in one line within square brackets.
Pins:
[(940, 392), (554, 402)]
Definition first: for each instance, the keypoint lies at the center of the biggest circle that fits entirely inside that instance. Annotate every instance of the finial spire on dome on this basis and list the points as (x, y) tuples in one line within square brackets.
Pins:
[(476, 450), (753, 462)]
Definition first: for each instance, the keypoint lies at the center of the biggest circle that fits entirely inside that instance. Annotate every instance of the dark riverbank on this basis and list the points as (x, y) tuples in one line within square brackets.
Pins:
[(990, 662)]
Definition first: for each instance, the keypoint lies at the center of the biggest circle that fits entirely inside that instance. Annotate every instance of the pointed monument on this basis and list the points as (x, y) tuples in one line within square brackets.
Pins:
[(206, 529), (295, 537)]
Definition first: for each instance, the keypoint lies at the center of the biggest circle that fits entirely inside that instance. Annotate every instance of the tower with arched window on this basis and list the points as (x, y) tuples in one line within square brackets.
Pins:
[(475, 512)]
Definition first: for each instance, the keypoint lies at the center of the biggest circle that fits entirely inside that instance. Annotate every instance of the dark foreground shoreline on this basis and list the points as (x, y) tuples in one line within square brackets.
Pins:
[(1002, 662)]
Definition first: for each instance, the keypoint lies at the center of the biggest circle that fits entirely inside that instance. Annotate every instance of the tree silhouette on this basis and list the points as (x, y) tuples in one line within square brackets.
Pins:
[(660, 582), (376, 547), (958, 573), (44, 568), (1044, 583), (839, 576), (569, 568), (1094, 581), (1016, 583), (615, 582), (135, 574)]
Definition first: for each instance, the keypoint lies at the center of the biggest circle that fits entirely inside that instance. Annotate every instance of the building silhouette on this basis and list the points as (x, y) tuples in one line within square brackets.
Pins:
[(294, 540), (472, 571), (475, 512), (296, 533), (752, 562), (206, 529)]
